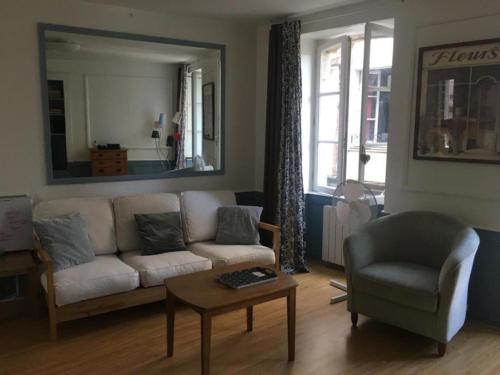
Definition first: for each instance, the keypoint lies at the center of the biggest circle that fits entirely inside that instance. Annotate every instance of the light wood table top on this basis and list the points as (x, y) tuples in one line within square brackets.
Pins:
[(203, 292)]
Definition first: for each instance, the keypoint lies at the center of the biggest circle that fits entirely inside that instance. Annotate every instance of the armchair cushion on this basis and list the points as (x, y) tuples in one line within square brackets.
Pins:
[(405, 283)]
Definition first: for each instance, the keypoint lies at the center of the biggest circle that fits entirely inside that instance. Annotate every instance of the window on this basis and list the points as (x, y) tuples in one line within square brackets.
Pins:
[(197, 112), (330, 101), (194, 129), (351, 101), (379, 92)]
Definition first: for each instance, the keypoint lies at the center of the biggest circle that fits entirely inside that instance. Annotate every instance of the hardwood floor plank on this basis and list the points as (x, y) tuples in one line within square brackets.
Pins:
[(133, 341)]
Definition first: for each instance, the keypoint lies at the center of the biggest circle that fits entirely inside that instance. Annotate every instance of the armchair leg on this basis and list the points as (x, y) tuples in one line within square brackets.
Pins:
[(441, 348), (354, 319)]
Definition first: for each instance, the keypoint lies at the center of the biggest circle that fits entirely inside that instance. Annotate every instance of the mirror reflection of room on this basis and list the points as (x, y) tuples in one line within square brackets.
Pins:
[(125, 107)]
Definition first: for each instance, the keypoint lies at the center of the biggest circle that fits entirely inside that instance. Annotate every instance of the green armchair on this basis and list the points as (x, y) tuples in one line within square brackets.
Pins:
[(412, 270)]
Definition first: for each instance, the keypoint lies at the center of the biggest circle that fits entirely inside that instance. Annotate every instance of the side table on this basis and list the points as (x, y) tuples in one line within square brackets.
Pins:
[(15, 264)]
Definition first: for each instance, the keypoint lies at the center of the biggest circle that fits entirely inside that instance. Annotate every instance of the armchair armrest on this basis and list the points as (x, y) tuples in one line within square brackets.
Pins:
[(359, 251), (465, 248), (276, 241)]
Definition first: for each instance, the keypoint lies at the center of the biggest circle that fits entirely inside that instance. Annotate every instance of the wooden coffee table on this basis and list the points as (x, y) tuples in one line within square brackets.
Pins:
[(210, 298)]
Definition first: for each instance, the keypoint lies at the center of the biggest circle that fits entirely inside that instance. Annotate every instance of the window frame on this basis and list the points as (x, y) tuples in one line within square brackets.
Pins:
[(343, 93)]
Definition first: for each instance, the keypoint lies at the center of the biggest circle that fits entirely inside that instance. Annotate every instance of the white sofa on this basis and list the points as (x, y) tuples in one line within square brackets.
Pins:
[(120, 276)]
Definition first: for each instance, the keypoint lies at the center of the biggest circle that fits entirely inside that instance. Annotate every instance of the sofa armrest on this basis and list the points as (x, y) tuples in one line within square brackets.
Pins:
[(45, 259), (276, 241)]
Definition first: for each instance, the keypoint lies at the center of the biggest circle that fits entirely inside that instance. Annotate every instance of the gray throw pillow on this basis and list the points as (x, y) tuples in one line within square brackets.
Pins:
[(160, 233), (238, 225), (66, 240)]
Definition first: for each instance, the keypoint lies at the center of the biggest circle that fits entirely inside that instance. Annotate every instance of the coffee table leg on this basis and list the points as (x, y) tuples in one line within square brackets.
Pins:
[(290, 308), (170, 324), (249, 318), (206, 332)]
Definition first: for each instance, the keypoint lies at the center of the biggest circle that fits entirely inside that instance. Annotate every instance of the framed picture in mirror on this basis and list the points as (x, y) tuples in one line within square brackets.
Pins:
[(208, 111), (458, 103)]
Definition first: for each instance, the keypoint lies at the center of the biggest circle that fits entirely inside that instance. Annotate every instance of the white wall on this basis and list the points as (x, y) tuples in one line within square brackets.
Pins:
[(22, 154), (466, 191), (262, 39), (110, 102)]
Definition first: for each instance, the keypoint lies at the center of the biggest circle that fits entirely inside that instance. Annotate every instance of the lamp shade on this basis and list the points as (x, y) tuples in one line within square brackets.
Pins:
[(155, 134), (163, 119)]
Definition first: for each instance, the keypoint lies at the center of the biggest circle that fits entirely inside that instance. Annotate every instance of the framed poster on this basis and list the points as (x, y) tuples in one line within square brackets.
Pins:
[(458, 103), (208, 111)]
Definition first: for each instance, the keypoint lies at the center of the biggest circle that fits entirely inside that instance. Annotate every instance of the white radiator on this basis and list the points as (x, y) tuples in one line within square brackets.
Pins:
[(334, 234)]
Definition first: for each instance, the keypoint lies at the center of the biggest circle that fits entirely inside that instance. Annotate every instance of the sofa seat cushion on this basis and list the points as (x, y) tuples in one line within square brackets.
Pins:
[(405, 283), (154, 269), (199, 213), (97, 213), (225, 255), (105, 275)]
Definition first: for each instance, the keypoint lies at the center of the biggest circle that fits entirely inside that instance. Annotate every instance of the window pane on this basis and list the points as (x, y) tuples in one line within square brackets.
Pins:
[(329, 118), (330, 70), (383, 117), (370, 130), (386, 78), (327, 164), (371, 107), (373, 79)]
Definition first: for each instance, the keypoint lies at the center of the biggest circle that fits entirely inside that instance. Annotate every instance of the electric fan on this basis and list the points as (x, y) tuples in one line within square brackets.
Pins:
[(354, 205)]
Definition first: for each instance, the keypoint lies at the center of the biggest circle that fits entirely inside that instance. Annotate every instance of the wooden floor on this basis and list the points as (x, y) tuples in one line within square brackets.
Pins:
[(133, 342)]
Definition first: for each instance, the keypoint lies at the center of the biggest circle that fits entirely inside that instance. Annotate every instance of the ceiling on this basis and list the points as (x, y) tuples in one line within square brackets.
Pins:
[(234, 9), (93, 47)]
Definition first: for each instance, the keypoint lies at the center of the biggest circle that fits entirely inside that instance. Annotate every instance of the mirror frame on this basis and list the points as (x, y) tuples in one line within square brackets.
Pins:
[(51, 180)]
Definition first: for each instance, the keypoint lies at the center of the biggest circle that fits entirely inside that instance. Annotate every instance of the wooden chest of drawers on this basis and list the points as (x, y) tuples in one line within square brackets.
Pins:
[(109, 162)]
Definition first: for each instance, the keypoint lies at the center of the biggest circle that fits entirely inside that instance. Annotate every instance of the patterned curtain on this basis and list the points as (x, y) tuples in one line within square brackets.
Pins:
[(285, 200), (183, 110)]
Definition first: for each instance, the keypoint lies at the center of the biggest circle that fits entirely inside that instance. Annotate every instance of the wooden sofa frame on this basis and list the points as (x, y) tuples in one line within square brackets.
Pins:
[(100, 305)]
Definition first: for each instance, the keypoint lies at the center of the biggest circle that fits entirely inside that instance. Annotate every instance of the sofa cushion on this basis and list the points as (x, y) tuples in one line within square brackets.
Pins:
[(105, 275), (154, 269), (238, 225), (225, 255), (199, 213), (97, 213), (160, 233), (66, 240), (408, 284), (127, 235)]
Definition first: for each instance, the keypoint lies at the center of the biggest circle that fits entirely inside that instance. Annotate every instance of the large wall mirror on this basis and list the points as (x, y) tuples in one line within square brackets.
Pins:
[(124, 107)]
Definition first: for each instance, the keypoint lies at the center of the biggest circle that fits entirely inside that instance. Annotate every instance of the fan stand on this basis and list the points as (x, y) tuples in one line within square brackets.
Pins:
[(343, 296)]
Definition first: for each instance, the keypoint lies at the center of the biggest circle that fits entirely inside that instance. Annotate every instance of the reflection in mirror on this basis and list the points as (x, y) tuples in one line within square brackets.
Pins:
[(125, 107)]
